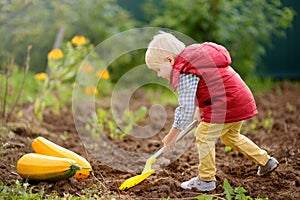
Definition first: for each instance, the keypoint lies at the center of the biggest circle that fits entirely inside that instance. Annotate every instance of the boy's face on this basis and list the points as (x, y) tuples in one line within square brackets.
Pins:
[(163, 70)]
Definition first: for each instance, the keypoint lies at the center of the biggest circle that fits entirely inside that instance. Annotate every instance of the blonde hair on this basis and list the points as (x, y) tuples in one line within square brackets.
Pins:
[(162, 45)]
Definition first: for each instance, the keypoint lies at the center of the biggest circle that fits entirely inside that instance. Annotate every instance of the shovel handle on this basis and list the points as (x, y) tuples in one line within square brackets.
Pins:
[(179, 136)]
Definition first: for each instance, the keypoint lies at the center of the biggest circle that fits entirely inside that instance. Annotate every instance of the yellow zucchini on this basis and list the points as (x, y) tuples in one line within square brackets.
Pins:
[(46, 147), (37, 167)]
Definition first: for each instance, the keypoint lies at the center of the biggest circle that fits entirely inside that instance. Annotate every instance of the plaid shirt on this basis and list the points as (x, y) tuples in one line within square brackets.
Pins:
[(187, 87)]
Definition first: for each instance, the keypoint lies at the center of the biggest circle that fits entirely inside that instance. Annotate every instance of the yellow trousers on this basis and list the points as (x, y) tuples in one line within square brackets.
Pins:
[(206, 137)]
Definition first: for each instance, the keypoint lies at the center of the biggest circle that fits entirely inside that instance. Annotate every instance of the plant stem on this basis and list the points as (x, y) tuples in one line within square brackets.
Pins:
[(5, 93), (23, 83)]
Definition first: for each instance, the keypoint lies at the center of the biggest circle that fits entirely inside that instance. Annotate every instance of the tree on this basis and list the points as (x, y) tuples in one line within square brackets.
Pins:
[(244, 27), (37, 22), (22, 24)]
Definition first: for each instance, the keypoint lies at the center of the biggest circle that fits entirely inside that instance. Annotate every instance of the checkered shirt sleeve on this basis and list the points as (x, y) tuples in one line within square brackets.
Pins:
[(187, 87)]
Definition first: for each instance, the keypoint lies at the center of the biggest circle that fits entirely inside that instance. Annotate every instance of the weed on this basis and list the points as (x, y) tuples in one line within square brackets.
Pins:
[(19, 191), (227, 149), (206, 197), (3, 148), (91, 192), (290, 107), (137, 116), (230, 193), (268, 122), (4, 95), (228, 190), (64, 137), (105, 122), (16, 190)]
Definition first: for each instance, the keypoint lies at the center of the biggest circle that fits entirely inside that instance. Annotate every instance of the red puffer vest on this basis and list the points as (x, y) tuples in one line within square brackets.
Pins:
[(222, 94)]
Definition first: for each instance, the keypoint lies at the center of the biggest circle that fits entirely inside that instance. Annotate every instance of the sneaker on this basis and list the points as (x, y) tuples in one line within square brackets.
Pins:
[(270, 166), (203, 186)]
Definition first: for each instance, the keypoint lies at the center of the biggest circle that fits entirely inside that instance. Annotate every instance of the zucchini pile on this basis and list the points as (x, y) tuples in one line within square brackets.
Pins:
[(51, 162)]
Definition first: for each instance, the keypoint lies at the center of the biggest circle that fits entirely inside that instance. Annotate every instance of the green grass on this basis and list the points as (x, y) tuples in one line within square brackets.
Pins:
[(259, 85), (19, 190), (15, 190), (14, 84)]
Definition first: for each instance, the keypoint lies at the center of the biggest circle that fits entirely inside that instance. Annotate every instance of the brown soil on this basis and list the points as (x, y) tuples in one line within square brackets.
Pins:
[(282, 105)]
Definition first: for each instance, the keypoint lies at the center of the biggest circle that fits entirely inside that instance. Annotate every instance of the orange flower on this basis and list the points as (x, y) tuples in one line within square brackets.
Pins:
[(55, 54), (78, 40), (91, 90), (102, 74), (40, 76), (87, 68)]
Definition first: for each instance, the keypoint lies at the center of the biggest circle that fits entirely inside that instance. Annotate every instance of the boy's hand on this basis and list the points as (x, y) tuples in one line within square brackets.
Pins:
[(197, 114), (170, 140), (169, 143)]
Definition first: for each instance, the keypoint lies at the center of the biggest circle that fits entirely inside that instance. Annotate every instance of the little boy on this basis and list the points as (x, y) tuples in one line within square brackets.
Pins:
[(204, 79)]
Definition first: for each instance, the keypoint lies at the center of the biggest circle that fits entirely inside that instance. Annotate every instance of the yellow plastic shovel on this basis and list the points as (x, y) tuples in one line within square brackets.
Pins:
[(133, 181)]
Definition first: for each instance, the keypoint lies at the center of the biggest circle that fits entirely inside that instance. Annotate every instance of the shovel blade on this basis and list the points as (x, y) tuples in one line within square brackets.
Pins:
[(135, 180)]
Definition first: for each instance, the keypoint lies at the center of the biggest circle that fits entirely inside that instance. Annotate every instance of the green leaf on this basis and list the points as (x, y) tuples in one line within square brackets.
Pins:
[(227, 149), (140, 114), (128, 129), (102, 115), (228, 191), (128, 115), (205, 197), (111, 126), (240, 193)]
